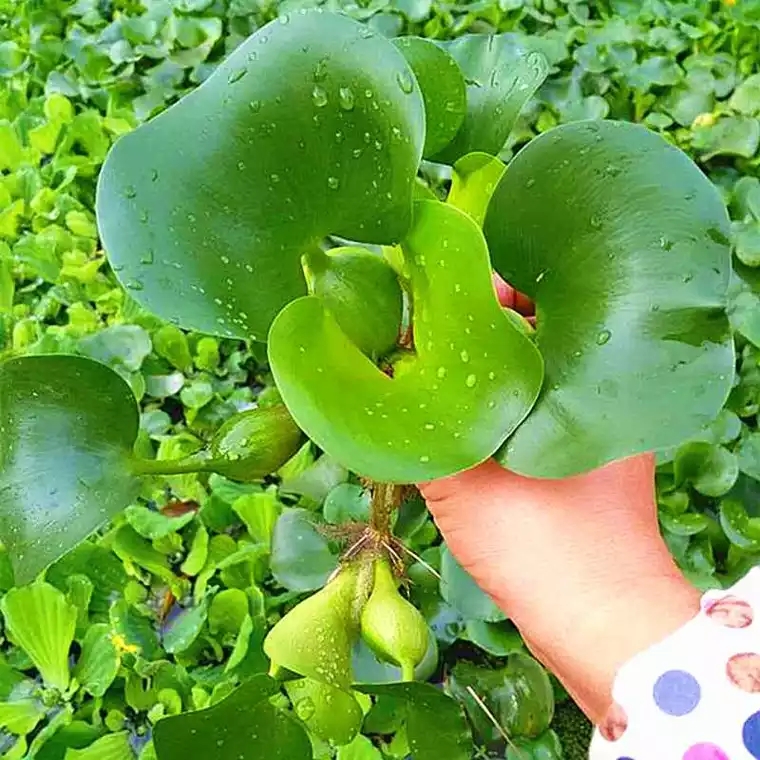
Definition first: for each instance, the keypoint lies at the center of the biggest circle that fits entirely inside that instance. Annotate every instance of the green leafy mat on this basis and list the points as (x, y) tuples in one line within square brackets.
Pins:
[(165, 611)]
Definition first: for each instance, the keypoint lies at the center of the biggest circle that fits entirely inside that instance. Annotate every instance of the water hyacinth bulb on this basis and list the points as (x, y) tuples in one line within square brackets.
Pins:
[(315, 638), (393, 627), (362, 292), (255, 443)]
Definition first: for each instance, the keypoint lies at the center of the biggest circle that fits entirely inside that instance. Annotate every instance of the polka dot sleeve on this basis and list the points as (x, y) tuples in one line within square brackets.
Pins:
[(695, 695)]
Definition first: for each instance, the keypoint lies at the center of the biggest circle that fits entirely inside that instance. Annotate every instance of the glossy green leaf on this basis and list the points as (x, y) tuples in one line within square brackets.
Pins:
[(435, 724), (740, 529), (330, 713), (181, 631), (301, 557), (361, 748), (460, 590), (520, 696), (712, 470), (131, 548), (473, 179), (109, 747), (252, 168), (99, 661), (443, 90), (545, 747), (623, 244), (243, 726), (22, 716), (368, 668), (688, 524), (64, 450), (347, 502), (40, 620), (475, 377), (500, 81), (744, 302)]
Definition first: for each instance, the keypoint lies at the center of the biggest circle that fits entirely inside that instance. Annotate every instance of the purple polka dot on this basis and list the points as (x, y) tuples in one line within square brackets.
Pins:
[(751, 734), (705, 751), (677, 692)]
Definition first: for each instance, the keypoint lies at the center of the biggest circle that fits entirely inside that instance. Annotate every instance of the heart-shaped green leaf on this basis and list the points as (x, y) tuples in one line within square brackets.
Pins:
[(435, 723), (443, 90), (243, 726), (500, 80), (313, 126), (623, 244), (67, 427), (475, 377)]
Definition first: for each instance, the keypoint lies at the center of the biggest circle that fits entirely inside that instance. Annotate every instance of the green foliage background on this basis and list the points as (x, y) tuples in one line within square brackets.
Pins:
[(171, 602)]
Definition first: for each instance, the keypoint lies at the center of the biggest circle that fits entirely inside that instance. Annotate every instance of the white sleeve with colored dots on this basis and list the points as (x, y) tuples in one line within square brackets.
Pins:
[(695, 695)]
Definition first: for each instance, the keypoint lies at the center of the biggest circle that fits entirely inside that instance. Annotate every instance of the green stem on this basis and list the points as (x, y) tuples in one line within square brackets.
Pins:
[(386, 498), (407, 671), (316, 260), (198, 462)]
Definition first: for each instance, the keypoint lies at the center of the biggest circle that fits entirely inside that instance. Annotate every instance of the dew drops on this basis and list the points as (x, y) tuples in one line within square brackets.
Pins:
[(491, 404), (144, 217), (275, 178), (241, 166), (254, 106), (129, 191), (319, 96), (491, 375), (236, 76), (333, 183), (540, 276), (603, 337), (666, 244), (320, 70), (305, 708), (595, 222), (464, 356), (441, 372), (530, 183), (147, 257), (284, 19), (225, 259), (470, 381), (424, 459), (154, 175), (429, 426), (134, 285), (405, 81), (346, 98)]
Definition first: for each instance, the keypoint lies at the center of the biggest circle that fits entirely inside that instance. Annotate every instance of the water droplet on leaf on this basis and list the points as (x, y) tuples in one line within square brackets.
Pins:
[(346, 98), (319, 96), (405, 81)]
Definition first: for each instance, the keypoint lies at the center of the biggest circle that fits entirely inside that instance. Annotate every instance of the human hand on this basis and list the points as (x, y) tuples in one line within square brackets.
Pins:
[(577, 564)]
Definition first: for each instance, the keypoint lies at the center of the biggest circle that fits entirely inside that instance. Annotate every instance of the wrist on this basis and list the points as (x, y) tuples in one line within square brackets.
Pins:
[(622, 620)]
